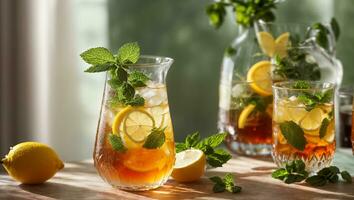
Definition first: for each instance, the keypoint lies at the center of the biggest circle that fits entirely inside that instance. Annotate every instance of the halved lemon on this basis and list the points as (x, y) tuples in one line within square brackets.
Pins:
[(244, 115), (281, 44), (312, 120), (143, 160), (133, 123), (266, 41), (189, 165), (260, 77)]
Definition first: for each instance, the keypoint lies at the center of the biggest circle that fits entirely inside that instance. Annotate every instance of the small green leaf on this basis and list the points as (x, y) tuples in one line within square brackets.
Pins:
[(293, 178), (136, 101), (216, 13), (230, 51), (125, 92), (323, 128), (213, 141), (121, 74), (192, 139), (293, 134), (117, 143), (180, 147), (114, 83), (333, 179), (216, 179), (301, 85), (99, 68), (236, 189), (346, 176), (129, 53), (155, 139), (97, 56), (219, 188), (137, 79), (335, 27), (280, 174), (316, 180)]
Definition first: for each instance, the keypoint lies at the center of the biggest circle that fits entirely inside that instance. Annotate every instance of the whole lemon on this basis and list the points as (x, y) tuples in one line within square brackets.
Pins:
[(32, 162)]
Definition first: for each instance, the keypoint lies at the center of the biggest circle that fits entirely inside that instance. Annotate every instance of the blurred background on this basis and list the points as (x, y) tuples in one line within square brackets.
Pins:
[(46, 96)]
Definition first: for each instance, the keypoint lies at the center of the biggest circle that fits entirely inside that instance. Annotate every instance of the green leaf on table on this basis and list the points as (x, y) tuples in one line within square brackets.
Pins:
[(128, 53), (155, 139), (218, 157), (316, 180), (335, 28), (280, 174), (323, 128), (346, 176), (293, 172), (213, 140), (97, 56), (137, 79), (116, 143), (227, 183), (293, 134), (99, 68)]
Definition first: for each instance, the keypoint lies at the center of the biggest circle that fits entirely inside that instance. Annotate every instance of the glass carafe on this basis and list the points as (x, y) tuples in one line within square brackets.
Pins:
[(135, 165)]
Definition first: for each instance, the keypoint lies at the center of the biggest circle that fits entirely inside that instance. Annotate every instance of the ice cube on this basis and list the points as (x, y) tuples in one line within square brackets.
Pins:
[(154, 94)]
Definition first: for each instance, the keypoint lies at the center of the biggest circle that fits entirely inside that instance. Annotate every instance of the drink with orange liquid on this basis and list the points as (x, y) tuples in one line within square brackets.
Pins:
[(134, 147), (303, 124)]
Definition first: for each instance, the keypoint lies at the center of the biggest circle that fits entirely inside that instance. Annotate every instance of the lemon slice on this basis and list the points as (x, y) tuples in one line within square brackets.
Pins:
[(313, 119), (189, 165), (267, 43), (260, 77), (137, 123), (244, 115), (281, 44), (296, 114), (144, 160), (329, 137)]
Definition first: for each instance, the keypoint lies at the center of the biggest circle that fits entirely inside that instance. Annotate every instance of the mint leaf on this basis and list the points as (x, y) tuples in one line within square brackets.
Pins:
[(180, 147), (335, 28), (99, 68), (227, 183), (125, 92), (213, 141), (97, 56), (316, 180), (116, 143), (280, 174), (293, 134), (121, 74), (192, 139), (129, 53), (216, 13), (136, 101), (155, 139), (218, 157), (323, 128), (301, 85), (114, 83), (137, 79), (346, 176)]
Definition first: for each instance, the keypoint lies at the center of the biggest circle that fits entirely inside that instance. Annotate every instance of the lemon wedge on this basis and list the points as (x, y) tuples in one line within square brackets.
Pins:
[(244, 115), (267, 43), (260, 77), (189, 165), (281, 44), (312, 120)]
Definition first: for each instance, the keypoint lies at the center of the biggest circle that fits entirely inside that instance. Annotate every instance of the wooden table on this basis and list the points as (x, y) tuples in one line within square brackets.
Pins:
[(80, 181)]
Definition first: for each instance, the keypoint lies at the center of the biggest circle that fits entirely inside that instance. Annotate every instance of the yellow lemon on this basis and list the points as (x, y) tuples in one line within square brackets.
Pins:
[(267, 43), (133, 124), (281, 44), (32, 163), (244, 115), (312, 120), (260, 77), (189, 166)]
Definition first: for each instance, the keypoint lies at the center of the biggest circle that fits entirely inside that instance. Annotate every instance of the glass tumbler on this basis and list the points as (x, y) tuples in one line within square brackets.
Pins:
[(136, 166), (303, 124)]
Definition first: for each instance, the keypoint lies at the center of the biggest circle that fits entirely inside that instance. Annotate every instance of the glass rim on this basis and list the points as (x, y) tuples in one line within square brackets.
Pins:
[(249, 82), (156, 61), (284, 85), (291, 23)]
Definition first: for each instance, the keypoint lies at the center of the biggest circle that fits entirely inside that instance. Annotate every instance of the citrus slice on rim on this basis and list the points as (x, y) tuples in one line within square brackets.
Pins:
[(266, 42), (137, 123), (281, 44), (312, 121), (189, 165), (245, 113), (260, 77)]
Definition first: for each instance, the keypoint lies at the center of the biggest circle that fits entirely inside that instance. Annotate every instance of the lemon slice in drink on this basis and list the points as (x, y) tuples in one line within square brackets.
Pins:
[(260, 77), (244, 115), (137, 123), (312, 120), (281, 44), (189, 165), (267, 43)]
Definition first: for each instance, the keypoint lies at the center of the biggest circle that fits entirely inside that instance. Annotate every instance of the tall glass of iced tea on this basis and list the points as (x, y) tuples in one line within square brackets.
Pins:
[(134, 147), (303, 123)]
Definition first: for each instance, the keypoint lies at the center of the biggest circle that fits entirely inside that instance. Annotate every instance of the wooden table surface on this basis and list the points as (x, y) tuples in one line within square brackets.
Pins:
[(80, 181)]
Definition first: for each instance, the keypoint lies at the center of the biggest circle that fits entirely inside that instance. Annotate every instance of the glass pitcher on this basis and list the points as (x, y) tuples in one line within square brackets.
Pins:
[(122, 156)]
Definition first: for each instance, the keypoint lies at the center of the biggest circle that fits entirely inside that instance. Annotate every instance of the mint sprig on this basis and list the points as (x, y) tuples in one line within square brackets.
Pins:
[(215, 157), (295, 172), (155, 139), (293, 134), (121, 81), (116, 143), (225, 184)]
